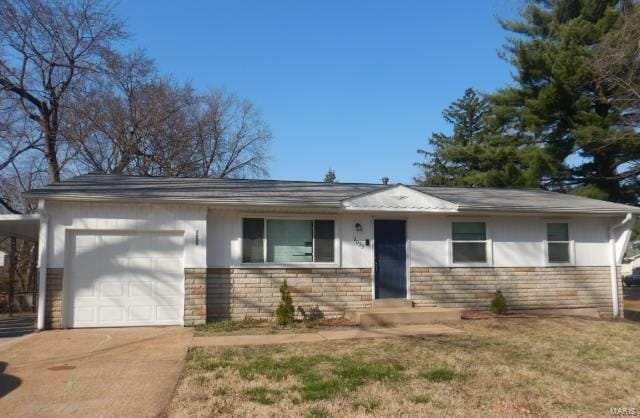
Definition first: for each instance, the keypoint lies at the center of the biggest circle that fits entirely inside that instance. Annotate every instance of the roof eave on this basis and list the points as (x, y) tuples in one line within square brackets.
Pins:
[(178, 200), (552, 210)]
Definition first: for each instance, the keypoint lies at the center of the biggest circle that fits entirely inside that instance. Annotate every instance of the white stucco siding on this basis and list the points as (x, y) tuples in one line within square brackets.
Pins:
[(191, 220), (428, 236), (224, 229), (355, 252), (591, 238), (516, 241)]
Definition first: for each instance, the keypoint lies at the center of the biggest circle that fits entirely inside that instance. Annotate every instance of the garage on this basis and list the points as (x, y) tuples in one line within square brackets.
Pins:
[(127, 278)]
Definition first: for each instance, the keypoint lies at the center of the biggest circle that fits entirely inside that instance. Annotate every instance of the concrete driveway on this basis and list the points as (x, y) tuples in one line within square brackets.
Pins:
[(108, 372), (632, 303)]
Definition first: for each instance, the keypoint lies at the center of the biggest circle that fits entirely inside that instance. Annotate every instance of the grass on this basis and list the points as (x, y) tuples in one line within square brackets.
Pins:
[(420, 399), (316, 412), (497, 367), (368, 405), (438, 374)]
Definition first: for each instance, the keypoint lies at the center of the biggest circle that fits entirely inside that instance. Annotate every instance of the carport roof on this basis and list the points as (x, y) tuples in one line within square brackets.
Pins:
[(20, 226), (315, 194)]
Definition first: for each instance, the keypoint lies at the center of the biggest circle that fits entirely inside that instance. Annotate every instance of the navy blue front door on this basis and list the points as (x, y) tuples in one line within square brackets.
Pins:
[(390, 259)]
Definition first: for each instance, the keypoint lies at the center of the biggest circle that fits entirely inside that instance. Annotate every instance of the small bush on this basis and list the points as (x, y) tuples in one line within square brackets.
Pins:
[(498, 304), (285, 311)]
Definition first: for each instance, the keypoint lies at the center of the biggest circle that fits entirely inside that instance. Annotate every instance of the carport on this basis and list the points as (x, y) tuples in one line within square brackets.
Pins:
[(16, 227)]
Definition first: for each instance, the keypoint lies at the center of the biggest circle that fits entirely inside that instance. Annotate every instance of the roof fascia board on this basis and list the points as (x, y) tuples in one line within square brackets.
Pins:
[(187, 201), (539, 212)]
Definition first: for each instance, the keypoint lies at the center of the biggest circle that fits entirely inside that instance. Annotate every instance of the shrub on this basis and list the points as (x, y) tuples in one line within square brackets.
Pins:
[(498, 304), (285, 311)]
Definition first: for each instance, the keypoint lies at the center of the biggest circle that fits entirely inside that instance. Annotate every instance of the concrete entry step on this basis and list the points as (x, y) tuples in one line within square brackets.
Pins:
[(403, 316), (393, 303)]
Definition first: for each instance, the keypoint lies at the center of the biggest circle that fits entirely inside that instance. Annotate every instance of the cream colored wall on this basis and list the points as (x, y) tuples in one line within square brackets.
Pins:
[(515, 240), (191, 220)]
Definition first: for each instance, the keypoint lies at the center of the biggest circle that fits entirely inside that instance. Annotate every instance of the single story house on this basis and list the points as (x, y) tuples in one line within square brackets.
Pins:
[(132, 251)]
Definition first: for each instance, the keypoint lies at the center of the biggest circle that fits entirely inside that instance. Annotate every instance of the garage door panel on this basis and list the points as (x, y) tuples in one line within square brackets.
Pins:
[(167, 289), (140, 313), (140, 288), (88, 290), (168, 313), (84, 314), (120, 279), (110, 314), (110, 289)]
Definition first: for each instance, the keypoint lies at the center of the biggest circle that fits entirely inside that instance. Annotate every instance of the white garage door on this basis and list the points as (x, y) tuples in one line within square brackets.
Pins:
[(125, 279)]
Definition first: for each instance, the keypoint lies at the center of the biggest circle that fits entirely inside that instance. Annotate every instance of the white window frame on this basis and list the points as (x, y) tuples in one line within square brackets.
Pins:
[(571, 242), (488, 242), (267, 264)]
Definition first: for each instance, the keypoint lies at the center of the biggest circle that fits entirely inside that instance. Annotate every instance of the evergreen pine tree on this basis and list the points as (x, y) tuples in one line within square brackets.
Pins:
[(330, 177), (560, 106), (477, 153)]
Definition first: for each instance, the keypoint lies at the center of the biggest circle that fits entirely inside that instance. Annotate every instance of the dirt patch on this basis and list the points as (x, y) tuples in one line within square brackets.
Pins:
[(497, 367), (254, 327), (62, 367)]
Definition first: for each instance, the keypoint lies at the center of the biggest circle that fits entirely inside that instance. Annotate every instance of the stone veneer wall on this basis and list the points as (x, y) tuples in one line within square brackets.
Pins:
[(254, 293), (53, 299), (195, 296), (523, 287)]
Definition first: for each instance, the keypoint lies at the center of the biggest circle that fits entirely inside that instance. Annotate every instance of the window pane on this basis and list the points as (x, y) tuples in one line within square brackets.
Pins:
[(557, 232), (252, 240), (323, 234), (289, 241), (558, 252), (469, 231), (469, 252)]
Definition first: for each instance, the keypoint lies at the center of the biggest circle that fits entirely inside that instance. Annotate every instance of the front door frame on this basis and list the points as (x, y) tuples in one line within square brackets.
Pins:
[(407, 243)]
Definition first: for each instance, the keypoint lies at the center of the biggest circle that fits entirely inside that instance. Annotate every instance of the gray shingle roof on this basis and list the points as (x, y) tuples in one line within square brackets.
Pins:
[(522, 200), (301, 193)]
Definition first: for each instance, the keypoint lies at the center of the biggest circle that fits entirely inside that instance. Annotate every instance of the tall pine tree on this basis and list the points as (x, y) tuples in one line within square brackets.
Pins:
[(478, 153), (560, 106)]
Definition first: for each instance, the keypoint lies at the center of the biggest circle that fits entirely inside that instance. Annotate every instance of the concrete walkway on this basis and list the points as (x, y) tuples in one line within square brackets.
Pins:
[(329, 335), (107, 372)]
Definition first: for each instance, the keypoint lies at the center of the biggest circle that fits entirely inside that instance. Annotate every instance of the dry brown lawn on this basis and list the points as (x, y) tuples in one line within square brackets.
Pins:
[(497, 367)]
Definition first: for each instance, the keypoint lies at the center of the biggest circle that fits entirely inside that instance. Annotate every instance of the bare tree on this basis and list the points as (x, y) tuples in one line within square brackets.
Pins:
[(46, 48), (71, 103), (231, 137), (134, 121), (143, 124)]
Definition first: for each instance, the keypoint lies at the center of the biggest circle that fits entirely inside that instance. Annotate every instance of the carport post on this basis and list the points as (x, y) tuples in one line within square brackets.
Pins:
[(12, 275), (42, 264)]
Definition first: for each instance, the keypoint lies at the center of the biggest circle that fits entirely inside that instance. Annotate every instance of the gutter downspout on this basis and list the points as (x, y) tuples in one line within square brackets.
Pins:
[(614, 265), (42, 265)]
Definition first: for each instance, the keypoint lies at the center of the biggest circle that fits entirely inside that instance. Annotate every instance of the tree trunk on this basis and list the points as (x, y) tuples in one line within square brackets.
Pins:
[(49, 126)]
